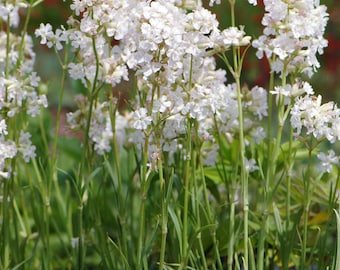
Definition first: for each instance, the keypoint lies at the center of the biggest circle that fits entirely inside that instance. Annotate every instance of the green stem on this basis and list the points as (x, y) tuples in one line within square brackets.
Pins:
[(186, 198), (60, 105), (285, 262), (244, 176), (306, 204), (23, 34), (5, 241), (142, 203), (164, 212), (122, 207), (232, 12), (8, 48), (264, 227), (236, 72), (231, 236), (85, 161)]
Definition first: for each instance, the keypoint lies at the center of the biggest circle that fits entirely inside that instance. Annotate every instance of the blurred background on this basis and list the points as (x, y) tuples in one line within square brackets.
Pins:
[(326, 81)]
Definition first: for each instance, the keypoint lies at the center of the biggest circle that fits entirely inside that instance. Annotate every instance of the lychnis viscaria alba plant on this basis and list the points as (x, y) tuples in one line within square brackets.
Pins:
[(175, 167)]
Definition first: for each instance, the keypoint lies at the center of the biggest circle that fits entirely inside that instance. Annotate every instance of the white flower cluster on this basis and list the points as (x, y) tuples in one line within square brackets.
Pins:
[(169, 50), (320, 120), (18, 88), (293, 35)]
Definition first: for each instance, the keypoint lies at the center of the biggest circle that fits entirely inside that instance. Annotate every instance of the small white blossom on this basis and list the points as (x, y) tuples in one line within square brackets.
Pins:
[(25, 146), (142, 120), (45, 32), (231, 36), (3, 127), (5, 175), (250, 165), (258, 134), (327, 161)]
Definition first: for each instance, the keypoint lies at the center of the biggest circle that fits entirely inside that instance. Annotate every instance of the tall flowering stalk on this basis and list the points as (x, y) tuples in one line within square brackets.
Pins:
[(293, 35)]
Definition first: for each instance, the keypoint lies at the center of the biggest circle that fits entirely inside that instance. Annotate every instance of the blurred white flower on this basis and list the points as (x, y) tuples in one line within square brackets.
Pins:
[(141, 119), (250, 165), (3, 127), (327, 161), (25, 146)]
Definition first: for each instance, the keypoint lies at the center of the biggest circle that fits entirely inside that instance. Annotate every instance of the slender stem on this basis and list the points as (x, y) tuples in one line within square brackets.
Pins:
[(231, 236), (244, 176), (142, 203), (60, 104), (23, 34), (8, 48), (236, 72), (5, 241), (264, 227), (306, 204), (164, 210), (122, 207), (269, 123), (86, 157), (232, 12), (186, 197), (288, 203), (6, 205)]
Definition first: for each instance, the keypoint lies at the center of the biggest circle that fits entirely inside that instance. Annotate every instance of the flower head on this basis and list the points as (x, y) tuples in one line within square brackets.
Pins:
[(294, 34)]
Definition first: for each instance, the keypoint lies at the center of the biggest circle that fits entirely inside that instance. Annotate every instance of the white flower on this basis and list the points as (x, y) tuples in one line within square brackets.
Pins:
[(101, 134), (231, 36), (60, 36), (8, 149), (142, 120), (161, 105), (25, 146), (258, 102), (250, 165), (282, 92), (4, 174), (46, 33), (258, 134), (327, 161), (8, 10), (3, 127)]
